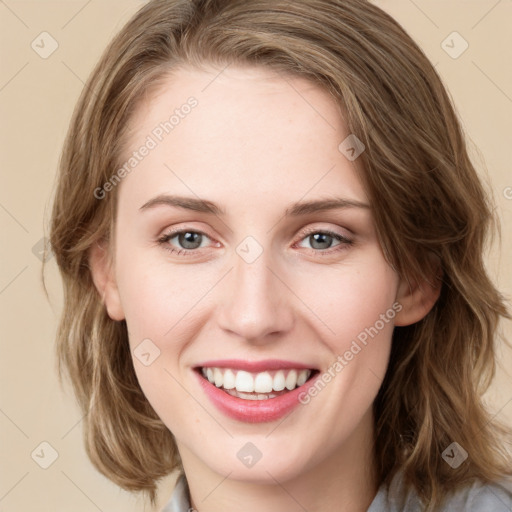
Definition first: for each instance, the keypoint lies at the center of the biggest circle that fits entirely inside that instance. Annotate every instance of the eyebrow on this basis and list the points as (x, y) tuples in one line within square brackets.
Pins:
[(295, 210)]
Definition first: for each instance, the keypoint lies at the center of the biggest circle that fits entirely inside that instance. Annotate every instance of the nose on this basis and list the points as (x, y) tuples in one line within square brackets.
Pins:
[(256, 303)]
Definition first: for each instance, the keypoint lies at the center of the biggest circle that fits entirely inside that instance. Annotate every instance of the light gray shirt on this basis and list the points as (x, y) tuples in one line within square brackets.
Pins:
[(479, 497)]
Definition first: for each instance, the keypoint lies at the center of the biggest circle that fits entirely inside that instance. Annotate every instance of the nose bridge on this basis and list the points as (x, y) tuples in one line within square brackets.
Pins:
[(256, 302)]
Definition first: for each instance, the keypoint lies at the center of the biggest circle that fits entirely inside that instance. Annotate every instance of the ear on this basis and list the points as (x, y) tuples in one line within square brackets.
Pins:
[(103, 276), (417, 298)]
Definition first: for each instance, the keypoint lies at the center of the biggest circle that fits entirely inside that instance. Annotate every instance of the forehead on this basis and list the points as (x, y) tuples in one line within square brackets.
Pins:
[(251, 133)]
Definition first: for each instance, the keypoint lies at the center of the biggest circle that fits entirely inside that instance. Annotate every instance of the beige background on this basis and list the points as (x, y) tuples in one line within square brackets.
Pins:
[(36, 100)]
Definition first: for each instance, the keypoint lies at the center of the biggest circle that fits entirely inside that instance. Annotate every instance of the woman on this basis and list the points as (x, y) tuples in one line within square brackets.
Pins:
[(270, 235)]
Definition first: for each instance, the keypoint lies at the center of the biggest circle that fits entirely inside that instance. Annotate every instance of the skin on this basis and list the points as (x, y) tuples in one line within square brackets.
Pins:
[(256, 143)]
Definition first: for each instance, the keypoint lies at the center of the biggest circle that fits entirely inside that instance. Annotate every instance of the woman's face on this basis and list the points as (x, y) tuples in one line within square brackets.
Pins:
[(267, 285)]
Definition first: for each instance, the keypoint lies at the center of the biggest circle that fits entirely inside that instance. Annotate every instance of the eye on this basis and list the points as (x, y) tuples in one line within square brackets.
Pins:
[(187, 240), (322, 240)]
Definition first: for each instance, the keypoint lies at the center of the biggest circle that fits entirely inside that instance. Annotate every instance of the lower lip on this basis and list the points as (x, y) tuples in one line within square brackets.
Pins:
[(253, 411)]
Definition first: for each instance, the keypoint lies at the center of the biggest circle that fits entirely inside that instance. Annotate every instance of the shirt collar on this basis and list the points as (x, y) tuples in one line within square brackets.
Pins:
[(180, 499)]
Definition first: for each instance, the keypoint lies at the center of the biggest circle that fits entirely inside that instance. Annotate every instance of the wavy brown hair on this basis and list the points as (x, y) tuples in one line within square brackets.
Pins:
[(425, 196)]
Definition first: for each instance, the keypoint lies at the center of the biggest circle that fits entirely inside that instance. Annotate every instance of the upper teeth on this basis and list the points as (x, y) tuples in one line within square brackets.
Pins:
[(264, 382)]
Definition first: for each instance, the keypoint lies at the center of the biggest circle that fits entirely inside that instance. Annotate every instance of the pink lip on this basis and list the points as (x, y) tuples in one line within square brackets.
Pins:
[(254, 366), (253, 411)]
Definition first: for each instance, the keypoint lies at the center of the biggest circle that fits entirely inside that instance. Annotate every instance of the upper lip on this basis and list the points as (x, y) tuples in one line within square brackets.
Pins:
[(255, 366)]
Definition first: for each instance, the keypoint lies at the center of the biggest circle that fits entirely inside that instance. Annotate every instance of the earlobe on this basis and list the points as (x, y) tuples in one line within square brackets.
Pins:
[(103, 276), (417, 298)]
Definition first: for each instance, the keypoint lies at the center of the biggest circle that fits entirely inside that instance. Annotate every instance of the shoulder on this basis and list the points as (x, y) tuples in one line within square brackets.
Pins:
[(481, 497), (475, 497)]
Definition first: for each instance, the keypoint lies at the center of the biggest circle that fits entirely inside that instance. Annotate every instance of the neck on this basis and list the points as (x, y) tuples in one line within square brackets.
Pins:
[(344, 480)]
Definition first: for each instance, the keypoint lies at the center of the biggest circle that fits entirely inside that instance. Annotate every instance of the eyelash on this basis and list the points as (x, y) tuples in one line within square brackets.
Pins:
[(344, 244)]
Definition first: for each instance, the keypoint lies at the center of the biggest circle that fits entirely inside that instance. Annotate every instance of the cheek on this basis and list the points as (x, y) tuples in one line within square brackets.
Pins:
[(158, 302), (163, 301), (157, 297), (351, 298)]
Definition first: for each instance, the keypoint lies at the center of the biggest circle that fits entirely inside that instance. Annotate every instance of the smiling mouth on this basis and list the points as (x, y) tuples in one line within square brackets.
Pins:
[(256, 386)]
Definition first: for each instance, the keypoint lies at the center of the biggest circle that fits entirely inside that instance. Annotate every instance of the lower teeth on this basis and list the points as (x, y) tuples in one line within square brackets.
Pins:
[(250, 396)]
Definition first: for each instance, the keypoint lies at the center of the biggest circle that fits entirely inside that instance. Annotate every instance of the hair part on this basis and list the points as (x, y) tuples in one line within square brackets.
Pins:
[(425, 195)]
